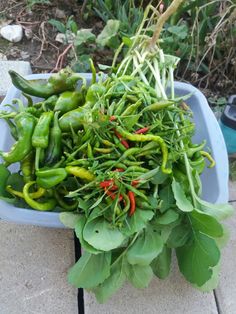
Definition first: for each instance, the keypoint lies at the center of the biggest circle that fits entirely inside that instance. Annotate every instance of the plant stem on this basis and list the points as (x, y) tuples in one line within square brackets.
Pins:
[(161, 21)]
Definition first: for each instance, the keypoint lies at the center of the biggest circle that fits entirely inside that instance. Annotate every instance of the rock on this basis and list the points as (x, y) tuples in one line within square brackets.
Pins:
[(24, 55), (65, 38), (13, 33), (3, 57), (28, 33), (60, 14)]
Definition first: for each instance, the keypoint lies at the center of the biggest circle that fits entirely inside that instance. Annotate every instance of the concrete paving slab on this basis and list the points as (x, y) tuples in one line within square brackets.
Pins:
[(226, 291), (21, 67), (33, 268), (173, 295)]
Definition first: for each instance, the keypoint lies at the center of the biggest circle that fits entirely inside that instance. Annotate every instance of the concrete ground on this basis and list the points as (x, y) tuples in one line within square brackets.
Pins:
[(34, 262)]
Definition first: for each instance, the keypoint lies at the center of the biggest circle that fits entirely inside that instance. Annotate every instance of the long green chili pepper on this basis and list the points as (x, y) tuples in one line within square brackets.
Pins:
[(131, 109), (159, 105), (46, 206), (53, 152), (66, 205), (89, 151), (37, 194), (25, 123), (27, 167), (93, 70), (209, 157), (80, 172), (40, 138), (103, 150), (147, 138), (65, 80)]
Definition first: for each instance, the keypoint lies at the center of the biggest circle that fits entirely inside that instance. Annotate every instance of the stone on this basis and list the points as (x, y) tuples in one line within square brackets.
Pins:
[(13, 33), (21, 67)]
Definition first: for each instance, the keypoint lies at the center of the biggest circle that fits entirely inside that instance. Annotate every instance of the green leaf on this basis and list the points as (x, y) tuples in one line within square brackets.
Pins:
[(139, 276), (197, 258), (181, 200), (168, 217), (137, 221), (69, 219), (84, 36), (109, 34), (179, 236), (219, 211), (127, 41), (167, 197), (101, 235), (90, 270), (161, 264), (212, 283), (147, 246), (180, 31), (59, 25), (79, 233), (206, 224), (113, 283)]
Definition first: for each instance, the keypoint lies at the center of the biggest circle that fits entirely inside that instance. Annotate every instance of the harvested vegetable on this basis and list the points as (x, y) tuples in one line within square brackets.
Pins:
[(123, 171)]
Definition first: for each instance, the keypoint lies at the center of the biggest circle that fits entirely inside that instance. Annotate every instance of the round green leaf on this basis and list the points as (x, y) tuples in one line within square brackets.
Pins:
[(101, 235)]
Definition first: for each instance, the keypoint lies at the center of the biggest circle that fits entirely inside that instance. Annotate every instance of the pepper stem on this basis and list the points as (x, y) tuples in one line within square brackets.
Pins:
[(37, 157)]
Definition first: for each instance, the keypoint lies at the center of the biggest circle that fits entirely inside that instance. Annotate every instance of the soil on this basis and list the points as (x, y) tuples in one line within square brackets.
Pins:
[(40, 48)]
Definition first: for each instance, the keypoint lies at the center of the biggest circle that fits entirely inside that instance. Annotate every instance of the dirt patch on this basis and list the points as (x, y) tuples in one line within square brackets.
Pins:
[(38, 45)]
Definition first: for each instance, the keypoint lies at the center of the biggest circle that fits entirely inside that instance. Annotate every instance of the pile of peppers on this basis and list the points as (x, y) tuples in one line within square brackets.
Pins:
[(104, 142)]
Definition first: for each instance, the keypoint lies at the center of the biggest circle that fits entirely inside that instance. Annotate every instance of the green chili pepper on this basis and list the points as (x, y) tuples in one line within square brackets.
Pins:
[(209, 157), (53, 152), (27, 167), (197, 162), (49, 103), (131, 109), (13, 128), (75, 119), (48, 178), (103, 150), (81, 173), (25, 123), (159, 105), (95, 91), (65, 203), (48, 205), (68, 101), (40, 136), (89, 151), (147, 138), (65, 80), (29, 100), (193, 148), (37, 194)]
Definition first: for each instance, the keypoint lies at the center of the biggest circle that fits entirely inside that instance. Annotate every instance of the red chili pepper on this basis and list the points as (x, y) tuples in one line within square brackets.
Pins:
[(141, 131), (123, 142), (112, 118), (135, 182), (113, 195), (107, 183), (132, 203)]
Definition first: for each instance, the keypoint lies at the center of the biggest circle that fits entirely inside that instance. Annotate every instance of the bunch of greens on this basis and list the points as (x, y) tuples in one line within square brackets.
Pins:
[(125, 172)]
